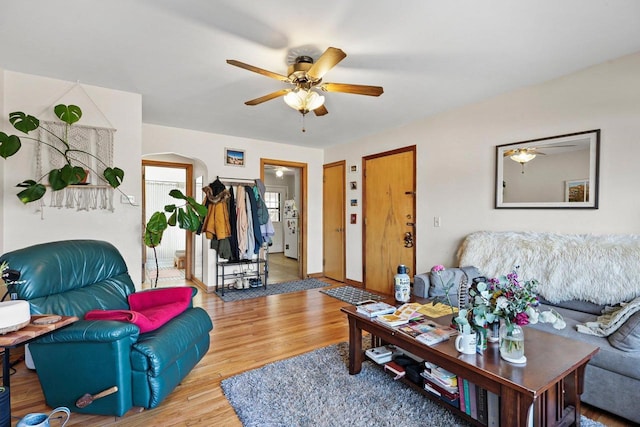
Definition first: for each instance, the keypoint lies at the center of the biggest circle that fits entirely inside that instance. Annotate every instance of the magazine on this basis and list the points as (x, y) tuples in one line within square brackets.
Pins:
[(375, 309), (402, 315)]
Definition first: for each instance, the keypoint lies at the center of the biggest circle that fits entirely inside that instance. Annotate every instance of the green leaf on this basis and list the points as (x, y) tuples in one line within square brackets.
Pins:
[(78, 174), (172, 219), (200, 209), (56, 179), (68, 113), (114, 176), (181, 219), (26, 183), (194, 220), (9, 145), (23, 122), (155, 229), (169, 208), (32, 192), (177, 194)]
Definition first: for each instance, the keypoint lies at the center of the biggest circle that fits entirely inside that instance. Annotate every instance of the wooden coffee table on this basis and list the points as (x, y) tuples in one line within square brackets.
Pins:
[(24, 336), (549, 384)]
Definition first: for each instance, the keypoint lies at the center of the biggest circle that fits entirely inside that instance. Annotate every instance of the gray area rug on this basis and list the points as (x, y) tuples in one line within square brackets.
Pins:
[(315, 389), (352, 295), (272, 289)]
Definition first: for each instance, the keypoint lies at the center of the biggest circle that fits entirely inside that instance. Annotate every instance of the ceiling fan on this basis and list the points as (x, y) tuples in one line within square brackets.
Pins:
[(526, 154), (305, 75)]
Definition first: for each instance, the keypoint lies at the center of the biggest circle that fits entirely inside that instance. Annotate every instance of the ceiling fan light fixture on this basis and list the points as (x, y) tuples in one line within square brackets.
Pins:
[(522, 156), (279, 173), (304, 100)]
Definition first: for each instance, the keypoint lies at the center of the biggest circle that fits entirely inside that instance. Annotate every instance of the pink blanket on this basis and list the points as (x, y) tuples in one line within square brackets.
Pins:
[(149, 309)]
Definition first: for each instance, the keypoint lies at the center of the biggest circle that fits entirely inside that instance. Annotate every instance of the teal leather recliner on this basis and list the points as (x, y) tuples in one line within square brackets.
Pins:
[(72, 277)]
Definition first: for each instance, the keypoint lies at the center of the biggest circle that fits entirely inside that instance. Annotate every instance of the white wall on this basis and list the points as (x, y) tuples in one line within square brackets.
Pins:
[(456, 160), (209, 148), (23, 225)]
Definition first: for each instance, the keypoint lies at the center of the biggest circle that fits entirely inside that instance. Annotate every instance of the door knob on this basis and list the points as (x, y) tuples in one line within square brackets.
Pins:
[(408, 240)]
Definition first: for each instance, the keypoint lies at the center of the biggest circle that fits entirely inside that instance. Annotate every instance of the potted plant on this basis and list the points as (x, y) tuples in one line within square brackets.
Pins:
[(188, 216), (73, 172)]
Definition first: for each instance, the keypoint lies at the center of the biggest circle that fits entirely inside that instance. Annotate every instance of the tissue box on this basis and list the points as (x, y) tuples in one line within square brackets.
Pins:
[(14, 315)]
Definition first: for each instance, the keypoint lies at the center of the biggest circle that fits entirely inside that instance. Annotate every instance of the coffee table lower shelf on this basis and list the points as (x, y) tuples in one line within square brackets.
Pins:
[(567, 419), (544, 392)]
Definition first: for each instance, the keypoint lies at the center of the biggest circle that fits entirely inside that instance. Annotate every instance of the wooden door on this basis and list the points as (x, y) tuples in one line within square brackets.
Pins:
[(333, 219), (389, 214)]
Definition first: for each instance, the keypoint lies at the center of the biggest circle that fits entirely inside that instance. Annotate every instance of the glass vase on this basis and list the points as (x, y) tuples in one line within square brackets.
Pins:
[(512, 343), (493, 331)]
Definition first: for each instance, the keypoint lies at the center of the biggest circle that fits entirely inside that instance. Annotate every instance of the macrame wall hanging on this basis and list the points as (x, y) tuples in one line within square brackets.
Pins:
[(98, 142)]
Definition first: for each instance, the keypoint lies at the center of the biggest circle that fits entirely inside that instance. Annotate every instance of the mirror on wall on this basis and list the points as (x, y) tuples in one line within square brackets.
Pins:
[(555, 172)]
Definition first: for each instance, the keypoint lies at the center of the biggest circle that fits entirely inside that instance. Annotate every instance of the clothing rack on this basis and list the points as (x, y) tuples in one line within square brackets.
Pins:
[(243, 273), (235, 181)]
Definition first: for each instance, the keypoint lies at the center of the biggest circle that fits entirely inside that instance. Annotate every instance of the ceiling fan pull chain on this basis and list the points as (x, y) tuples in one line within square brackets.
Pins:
[(303, 129)]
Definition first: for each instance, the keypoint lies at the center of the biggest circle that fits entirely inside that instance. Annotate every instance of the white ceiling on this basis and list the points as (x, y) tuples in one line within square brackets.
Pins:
[(429, 55)]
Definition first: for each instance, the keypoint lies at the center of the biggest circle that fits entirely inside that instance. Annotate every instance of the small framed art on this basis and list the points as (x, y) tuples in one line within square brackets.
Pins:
[(234, 157)]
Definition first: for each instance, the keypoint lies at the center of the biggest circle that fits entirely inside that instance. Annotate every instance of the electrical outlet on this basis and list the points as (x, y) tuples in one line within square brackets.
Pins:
[(127, 199), (436, 221)]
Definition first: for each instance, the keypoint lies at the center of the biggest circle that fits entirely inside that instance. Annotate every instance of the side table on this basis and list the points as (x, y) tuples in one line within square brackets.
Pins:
[(24, 336)]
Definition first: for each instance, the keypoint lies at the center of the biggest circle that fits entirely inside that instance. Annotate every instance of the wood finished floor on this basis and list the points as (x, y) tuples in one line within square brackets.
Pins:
[(247, 335)]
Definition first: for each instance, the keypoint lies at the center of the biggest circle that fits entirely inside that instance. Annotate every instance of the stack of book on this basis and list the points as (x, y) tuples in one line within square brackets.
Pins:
[(442, 383)]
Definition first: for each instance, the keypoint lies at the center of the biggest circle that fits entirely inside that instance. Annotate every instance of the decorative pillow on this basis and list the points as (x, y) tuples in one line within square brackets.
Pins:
[(611, 320), (627, 337), (452, 277)]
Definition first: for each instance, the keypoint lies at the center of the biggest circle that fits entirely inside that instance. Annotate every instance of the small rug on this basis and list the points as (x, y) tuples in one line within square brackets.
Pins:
[(315, 389), (272, 289), (165, 273), (352, 295)]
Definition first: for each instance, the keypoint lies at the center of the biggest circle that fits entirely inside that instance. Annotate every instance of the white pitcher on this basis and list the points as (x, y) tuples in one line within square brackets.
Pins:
[(42, 420)]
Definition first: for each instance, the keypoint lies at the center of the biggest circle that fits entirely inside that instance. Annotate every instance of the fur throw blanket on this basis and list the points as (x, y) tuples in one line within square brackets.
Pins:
[(599, 269)]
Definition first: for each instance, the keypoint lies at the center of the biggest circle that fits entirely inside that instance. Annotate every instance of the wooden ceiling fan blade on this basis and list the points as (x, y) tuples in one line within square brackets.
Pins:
[(321, 111), (268, 97), (258, 70), (355, 89), (329, 59)]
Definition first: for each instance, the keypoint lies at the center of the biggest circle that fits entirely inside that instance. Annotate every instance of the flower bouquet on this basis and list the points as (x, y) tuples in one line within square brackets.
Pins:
[(515, 302)]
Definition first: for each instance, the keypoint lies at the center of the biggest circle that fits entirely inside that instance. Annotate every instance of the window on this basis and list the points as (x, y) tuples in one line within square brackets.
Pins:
[(272, 200)]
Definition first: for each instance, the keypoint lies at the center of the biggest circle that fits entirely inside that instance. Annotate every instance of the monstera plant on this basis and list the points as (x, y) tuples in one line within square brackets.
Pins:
[(188, 216), (74, 171)]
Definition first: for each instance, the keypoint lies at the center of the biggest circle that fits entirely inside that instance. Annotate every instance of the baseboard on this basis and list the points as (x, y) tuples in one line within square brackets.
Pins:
[(354, 283)]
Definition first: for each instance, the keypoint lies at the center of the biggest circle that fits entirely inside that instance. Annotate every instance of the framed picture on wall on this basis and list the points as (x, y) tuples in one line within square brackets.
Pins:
[(233, 157), (576, 190)]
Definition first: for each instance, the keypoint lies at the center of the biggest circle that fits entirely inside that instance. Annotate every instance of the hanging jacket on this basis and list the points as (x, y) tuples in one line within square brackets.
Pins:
[(233, 220), (241, 213), (256, 221), (216, 224)]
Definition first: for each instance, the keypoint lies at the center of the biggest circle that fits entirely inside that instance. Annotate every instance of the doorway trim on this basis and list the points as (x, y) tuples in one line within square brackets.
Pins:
[(302, 260), (188, 167)]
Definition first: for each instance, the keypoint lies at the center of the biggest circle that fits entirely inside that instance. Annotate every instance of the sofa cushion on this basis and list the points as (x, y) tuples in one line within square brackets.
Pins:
[(627, 337), (578, 305), (608, 358)]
